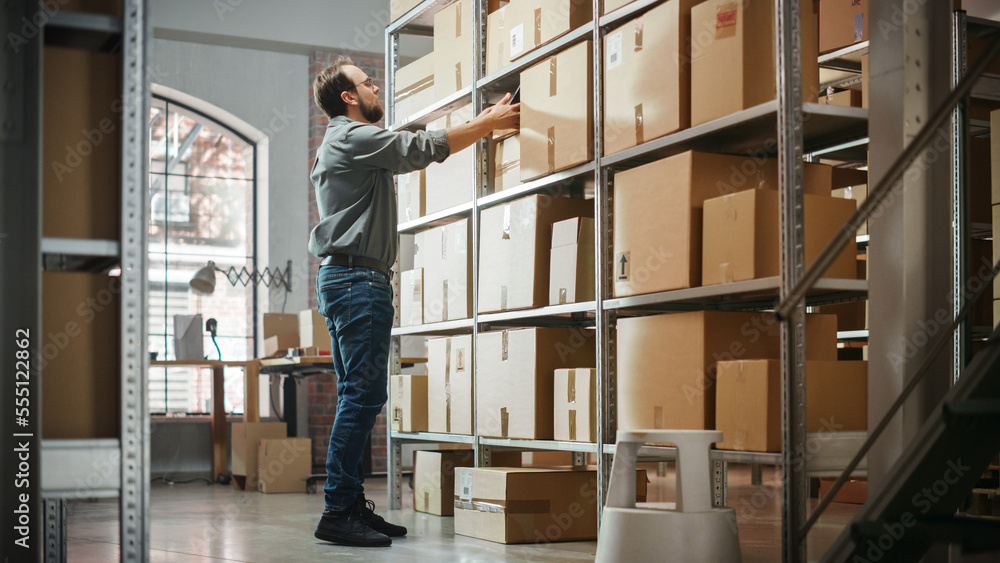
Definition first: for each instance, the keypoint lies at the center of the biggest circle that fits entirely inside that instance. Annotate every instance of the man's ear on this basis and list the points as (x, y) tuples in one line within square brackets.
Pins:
[(349, 98)]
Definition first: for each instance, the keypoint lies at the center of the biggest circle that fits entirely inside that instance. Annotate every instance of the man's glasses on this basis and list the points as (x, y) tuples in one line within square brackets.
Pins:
[(369, 82)]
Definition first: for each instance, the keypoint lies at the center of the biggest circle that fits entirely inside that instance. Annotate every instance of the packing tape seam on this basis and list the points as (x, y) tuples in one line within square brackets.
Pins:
[(638, 33)]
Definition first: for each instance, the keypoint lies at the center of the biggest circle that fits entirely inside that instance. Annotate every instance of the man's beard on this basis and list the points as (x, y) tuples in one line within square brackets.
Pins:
[(372, 113)]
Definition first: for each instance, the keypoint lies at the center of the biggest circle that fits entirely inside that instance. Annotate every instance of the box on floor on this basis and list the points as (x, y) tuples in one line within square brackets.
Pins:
[(434, 479), (514, 378), (749, 406), (667, 363), (282, 463), (246, 437), (517, 236)]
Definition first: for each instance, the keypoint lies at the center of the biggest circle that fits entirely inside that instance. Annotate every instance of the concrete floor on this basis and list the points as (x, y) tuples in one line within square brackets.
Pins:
[(197, 522)]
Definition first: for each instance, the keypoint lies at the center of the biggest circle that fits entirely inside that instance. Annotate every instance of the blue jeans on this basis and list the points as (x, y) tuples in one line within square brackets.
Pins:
[(357, 304)]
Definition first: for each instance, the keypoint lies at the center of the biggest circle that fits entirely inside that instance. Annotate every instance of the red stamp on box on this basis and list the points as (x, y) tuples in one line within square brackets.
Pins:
[(725, 20)]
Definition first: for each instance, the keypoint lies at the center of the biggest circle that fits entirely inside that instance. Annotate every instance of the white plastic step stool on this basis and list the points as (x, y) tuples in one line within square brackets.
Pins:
[(690, 530)]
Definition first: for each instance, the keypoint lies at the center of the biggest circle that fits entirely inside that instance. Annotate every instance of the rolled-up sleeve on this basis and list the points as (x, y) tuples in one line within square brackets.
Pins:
[(398, 151)]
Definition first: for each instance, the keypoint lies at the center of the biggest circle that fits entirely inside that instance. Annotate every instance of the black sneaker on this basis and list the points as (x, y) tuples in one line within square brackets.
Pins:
[(366, 510), (348, 528)]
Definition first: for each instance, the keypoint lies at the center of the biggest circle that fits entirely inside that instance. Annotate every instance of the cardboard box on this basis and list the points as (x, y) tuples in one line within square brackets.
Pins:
[(81, 147), (571, 263), (434, 479), (640, 105), (281, 332), (612, 5), (842, 23), (667, 363), (411, 298), (246, 438), (522, 26), (532, 499), (398, 8), (853, 491), (557, 122), (409, 402), (852, 315), (449, 384), (658, 213), (741, 236), (282, 463), (414, 88), (749, 408), (411, 196), (313, 331), (453, 44), (505, 163), (844, 98), (78, 355), (575, 405), (444, 255), (453, 181), (517, 238), (514, 378), (733, 57), (858, 194)]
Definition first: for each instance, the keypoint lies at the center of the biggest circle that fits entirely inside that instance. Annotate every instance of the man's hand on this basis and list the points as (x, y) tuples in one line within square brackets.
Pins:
[(500, 116)]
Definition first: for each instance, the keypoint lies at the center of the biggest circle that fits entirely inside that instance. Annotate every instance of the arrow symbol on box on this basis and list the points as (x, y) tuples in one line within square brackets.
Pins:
[(623, 262)]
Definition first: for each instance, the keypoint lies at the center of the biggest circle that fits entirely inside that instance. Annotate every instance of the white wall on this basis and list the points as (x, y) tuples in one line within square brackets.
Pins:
[(269, 91)]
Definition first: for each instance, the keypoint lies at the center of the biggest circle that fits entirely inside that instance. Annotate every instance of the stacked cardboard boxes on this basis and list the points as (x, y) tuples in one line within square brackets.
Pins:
[(246, 438)]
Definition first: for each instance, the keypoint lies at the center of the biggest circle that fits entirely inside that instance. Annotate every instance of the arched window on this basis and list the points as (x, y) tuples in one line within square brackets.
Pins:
[(202, 206)]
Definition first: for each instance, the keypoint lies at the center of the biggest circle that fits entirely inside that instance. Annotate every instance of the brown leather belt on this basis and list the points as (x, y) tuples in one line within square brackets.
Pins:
[(351, 261)]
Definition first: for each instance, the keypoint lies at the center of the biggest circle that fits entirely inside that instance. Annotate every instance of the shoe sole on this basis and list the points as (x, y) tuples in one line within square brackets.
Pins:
[(343, 540)]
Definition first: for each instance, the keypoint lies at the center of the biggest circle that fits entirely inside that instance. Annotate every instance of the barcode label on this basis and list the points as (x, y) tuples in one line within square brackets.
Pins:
[(465, 485), (516, 40), (614, 50)]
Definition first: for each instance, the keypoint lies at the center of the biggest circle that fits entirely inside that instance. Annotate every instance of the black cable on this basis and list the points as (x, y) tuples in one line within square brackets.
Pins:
[(274, 400), (283, 301), (188, 481), (217, 347)]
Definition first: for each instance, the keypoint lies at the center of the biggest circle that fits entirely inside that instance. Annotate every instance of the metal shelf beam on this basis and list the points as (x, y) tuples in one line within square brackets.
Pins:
[(443, 217), (445, 328), (571, 314), (546, 445), (459, 99), (573, 181)]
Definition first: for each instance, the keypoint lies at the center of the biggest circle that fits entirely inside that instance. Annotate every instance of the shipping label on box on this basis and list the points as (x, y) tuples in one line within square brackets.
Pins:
[(571, 268), (409, 403), (449, 384), (575, 408), (556, 113), (411, 298), (313, 331), (434, 479), (741, 239), (445, 256), (514, 378), (282, 463), (517, 237)]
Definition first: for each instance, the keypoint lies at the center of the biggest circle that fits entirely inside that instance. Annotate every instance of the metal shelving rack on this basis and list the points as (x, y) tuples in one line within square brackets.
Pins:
[(800, 127), (119, 467)]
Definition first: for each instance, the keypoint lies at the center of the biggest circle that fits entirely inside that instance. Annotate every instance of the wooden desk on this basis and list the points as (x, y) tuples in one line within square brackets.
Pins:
[(251, 409)]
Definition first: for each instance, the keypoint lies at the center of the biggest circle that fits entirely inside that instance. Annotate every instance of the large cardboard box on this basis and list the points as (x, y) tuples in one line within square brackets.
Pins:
[(409, 402), (313, 331), (733, 57), (667, 363), (398, 8), (658, 213), (434, 479), (514, 378), (453, 44), (640, 105), (842, 23), (517, 237), (612, 5), (411, 196), (282, 463), (741, 236), (414, 88), (246, 438), (81, 147), (571, 264), (450, 183), (281, 332), (749, 408), (78, 356), (575, 408), (449, 384), (411, 298), (505, 163), (522, 26), (444, 255), (528, 505), (557, 123)]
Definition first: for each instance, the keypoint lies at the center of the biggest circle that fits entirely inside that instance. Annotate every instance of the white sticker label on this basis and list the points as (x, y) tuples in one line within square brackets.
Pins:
[(465, 484), (516, 40), (615, 50)]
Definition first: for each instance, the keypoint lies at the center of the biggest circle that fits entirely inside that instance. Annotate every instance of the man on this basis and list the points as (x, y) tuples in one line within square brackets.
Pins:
[(356, 237)]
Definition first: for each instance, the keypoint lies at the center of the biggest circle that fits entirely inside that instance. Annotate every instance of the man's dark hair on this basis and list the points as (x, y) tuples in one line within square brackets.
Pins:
[(329, 84)]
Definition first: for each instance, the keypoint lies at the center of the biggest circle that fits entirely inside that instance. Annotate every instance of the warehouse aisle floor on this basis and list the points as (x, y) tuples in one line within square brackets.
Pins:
[(197, 522)]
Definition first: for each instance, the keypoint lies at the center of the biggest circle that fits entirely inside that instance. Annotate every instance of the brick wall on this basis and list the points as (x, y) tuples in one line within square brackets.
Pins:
[(323, 388)]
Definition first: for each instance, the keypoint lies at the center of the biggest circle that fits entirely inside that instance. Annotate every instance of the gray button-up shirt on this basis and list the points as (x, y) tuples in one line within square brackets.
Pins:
[(352, 176)]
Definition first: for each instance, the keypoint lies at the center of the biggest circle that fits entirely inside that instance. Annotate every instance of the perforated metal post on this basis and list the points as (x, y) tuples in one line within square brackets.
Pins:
[(479, 101), (55, 530), (393, 449), (960, 205)]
